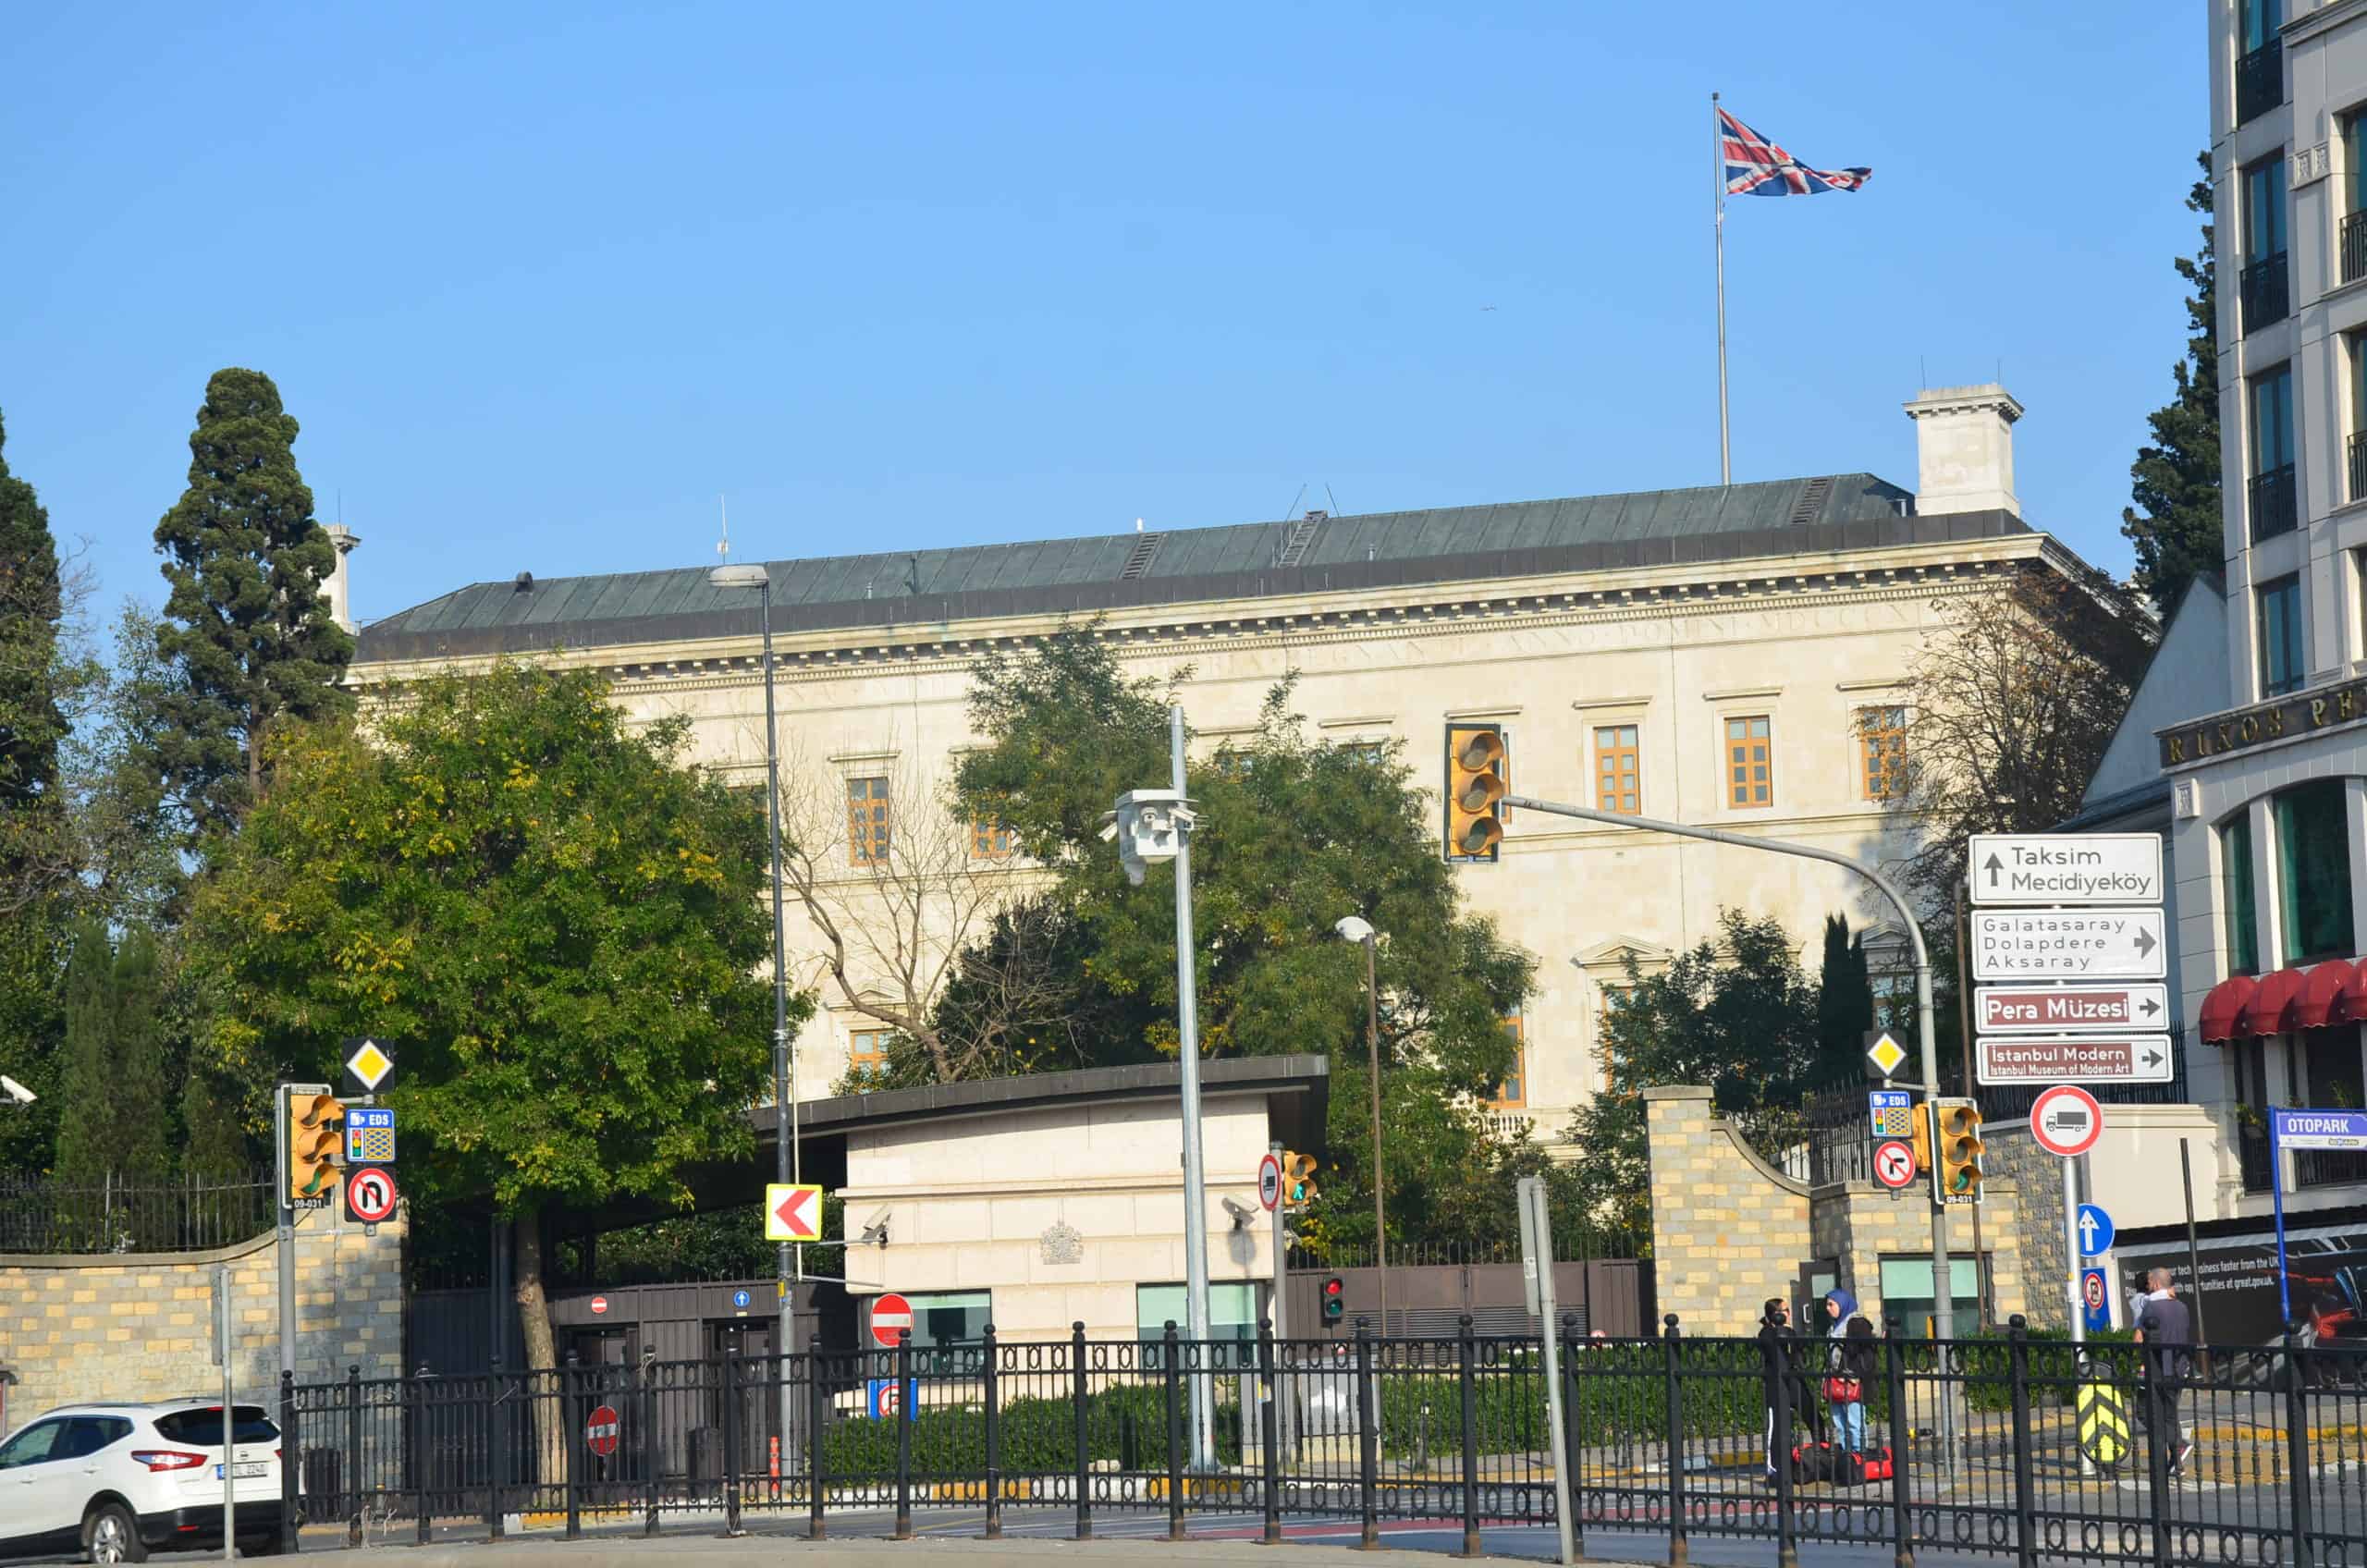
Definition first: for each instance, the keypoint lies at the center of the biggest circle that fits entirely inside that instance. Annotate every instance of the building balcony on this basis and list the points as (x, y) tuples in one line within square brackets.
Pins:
[(2273, 504), (2260, 80), (2266, 298), (2354, 246)]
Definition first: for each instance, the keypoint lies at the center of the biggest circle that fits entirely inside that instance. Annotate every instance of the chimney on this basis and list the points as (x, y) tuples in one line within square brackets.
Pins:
[(1964, 448), (340, 583)]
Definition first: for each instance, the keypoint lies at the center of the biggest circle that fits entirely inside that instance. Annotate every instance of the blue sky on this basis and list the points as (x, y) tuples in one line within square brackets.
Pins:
[(540, 284)]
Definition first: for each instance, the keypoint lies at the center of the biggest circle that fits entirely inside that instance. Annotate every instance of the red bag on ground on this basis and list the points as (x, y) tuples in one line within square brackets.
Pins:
[(1860, 1468)]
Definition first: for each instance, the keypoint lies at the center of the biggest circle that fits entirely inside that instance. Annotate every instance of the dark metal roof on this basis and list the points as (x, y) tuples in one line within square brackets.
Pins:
[(1298, 1086), (1112, 572), (2150, 801)]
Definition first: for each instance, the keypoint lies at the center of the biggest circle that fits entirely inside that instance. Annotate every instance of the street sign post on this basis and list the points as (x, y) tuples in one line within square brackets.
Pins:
[(2066, 868), (2068, 944), (1884, 1055), (2015, 1058), (369, 1066), (2137, 1007), (2095, 1304), (793, 1211), (1270, 1181), (2303, 1130), (2094, 1229), (890, 1315), (1894, 1165)]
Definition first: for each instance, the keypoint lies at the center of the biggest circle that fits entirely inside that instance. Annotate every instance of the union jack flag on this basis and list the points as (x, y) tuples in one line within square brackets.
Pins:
[(1756, 166)]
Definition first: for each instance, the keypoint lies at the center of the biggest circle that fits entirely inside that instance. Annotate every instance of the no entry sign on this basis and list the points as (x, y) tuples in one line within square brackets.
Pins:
[(600, 1430), (890, 1315)]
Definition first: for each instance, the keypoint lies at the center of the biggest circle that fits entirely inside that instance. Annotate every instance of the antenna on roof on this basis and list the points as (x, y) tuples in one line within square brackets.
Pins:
[(723, 546), (1331, 498)]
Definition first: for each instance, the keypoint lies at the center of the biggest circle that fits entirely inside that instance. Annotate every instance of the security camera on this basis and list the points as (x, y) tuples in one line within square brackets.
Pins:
[(1240, 1212), (17, 1091)]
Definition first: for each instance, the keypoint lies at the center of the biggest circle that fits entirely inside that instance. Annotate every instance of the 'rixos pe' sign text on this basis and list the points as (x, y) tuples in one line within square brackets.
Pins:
[(2263, 723)]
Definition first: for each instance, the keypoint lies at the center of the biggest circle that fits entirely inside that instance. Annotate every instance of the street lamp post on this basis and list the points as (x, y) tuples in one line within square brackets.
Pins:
[(1154, 825), (787, 1156), (1356, 928)]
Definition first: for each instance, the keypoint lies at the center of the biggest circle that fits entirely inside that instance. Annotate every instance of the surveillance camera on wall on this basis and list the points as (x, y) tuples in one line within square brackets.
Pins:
[(1240, 1212), (17, 1091)]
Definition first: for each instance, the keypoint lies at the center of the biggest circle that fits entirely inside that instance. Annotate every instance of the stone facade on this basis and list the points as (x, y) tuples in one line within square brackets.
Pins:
[(1730, 1231), (137, 1325)]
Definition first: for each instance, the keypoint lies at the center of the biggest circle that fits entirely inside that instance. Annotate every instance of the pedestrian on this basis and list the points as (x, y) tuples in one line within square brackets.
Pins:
[(1839, 1305), (2167, 1332), (1852, 1374), (1776, 1346)]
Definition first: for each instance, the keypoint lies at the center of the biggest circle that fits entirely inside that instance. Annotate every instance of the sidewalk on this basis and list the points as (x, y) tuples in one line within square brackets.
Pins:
[(774, 1547)]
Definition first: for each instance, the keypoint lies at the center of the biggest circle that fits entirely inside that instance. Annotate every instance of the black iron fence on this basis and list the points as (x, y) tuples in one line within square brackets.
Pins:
[(2011, 1446), (42, 1214)]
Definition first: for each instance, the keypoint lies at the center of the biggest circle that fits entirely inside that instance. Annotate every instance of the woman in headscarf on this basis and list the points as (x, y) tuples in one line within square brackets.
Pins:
[(1846, 1370)]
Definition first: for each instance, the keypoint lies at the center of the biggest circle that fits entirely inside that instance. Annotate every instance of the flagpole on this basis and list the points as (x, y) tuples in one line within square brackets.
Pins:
[(1718, 174)]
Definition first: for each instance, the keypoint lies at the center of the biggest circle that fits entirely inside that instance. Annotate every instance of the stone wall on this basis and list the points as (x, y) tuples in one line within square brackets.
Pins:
[(1729, 1230), (137, 1326), (2014, 1162)]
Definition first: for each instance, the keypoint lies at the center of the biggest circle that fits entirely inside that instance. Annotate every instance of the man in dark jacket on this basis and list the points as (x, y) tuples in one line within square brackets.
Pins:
[(1780, 1352), (2167, 1333)]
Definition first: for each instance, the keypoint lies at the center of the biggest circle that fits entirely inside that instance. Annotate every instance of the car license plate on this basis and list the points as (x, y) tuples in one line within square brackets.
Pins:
[(250, 1470)]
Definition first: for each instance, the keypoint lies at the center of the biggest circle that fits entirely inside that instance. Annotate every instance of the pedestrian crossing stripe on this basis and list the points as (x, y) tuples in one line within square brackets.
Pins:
[(2104, 1423)]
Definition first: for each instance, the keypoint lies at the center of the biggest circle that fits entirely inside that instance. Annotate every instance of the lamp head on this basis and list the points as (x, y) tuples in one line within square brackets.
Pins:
[(737, 577), (1354, 928)]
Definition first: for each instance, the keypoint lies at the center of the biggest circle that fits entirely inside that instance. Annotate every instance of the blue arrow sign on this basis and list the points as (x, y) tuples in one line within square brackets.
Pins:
[(2095, 1231), (739, 1300)]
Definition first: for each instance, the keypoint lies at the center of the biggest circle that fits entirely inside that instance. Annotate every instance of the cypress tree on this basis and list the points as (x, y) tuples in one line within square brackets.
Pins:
[(1845, 997), (113, 1118), (2175, 525), (31, 724), (247, 629)]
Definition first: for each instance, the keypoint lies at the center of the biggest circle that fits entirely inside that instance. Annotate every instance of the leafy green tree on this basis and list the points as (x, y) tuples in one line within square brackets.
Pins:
[(1736, 1012), (111, 1122), (1292, 835), (246, 628), (558, 927), (31, 602), (1845, 997), (2176, 526)]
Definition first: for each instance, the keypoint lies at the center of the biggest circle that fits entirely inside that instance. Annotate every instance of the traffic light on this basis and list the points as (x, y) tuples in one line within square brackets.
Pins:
[(1335, 1301), (315, 1126), (1298, 1179), (1919, 1138), (1475, 790), (1956, 1151)]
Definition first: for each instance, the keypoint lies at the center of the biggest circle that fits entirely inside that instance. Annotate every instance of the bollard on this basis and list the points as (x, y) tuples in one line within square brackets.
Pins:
[(2297, 1443), (1367, 1440), (1674, 1396), (493, 1422), (1902, 1524), (727, 1386), (994, 1440), (1078, 1393), (420, 1504), (291, 1458), (1467, 1355), (1268, 1431), (904, 1392), (571, 1412), (1174, 1379), (1574, 1427), (2018, 1353), (353, 1455)]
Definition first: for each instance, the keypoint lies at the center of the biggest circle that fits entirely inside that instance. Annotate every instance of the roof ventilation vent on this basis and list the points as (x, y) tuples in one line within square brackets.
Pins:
[(1138, 559), (1812, 502), (526, 584)]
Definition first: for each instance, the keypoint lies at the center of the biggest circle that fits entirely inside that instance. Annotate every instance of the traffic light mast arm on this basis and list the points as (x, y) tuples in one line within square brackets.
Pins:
[(1942, 1300)]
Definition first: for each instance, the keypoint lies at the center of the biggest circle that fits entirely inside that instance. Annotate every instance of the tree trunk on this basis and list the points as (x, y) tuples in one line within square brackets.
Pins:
[(542, 1350)]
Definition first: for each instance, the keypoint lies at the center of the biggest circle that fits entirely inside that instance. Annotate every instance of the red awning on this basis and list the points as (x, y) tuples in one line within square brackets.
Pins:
[(2353, 1005), (2224, 1005), (2271, 1010), (2321, 1000)]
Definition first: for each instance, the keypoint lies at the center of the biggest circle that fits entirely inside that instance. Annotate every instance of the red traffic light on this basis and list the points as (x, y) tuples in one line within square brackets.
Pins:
[(1335, 1302), (1333, 1286)]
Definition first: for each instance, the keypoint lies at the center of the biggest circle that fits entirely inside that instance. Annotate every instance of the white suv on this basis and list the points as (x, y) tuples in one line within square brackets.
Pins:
[(116, 1481)]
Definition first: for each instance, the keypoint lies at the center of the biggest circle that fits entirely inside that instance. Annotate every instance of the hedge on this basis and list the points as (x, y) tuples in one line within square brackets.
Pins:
[(1125, 1423)]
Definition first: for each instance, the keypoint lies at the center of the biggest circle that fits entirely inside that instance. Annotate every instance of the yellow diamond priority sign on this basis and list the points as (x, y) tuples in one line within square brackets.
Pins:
[(1887, 1055), (368, 1067)]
